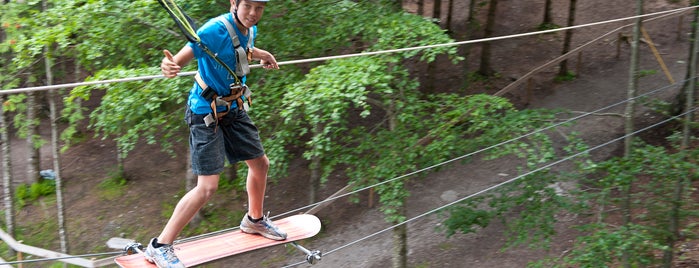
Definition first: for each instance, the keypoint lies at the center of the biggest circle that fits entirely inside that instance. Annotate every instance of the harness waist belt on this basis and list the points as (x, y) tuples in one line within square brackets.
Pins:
[(237, 92)]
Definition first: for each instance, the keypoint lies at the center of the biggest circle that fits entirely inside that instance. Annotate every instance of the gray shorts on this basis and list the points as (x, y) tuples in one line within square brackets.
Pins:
[(235, 136)]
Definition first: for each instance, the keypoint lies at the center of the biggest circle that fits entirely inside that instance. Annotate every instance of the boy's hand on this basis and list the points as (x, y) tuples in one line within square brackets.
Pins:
[(267, 60), (168, 66)]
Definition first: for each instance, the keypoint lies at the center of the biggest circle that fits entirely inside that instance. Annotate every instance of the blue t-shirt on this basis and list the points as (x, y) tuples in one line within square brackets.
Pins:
[(214, 35)]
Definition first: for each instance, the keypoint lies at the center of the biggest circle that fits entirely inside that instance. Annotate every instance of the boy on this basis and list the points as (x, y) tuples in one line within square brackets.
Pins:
[(217, 128)]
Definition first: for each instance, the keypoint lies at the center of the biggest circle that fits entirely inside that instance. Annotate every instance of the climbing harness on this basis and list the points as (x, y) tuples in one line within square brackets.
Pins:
[(243, 55)]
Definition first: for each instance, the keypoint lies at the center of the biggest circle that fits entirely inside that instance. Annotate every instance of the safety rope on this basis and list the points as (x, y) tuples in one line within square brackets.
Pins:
[(488, 148), (28, 89), (490, 188), (453, 160), (184, 22), (498, 185), (188, 28), (63, 258), (371, 53)]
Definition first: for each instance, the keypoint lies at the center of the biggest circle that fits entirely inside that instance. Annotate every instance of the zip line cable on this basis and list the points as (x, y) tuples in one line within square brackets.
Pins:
[(370, 53), (585, 114), (490, 188), (569, 120), (498, 185), (41, 88)]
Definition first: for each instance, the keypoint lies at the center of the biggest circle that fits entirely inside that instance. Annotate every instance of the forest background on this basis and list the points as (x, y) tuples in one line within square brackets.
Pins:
[(368, 122)]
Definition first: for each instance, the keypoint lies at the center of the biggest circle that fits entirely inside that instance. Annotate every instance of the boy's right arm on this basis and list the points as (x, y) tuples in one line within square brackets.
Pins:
[(172, 65)]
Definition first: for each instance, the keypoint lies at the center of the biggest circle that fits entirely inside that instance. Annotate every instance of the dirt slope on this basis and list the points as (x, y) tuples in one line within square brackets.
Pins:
[(157, 179)]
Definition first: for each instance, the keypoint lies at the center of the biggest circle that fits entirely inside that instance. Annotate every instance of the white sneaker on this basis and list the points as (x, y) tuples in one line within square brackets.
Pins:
[(163, 256), (264, 227)]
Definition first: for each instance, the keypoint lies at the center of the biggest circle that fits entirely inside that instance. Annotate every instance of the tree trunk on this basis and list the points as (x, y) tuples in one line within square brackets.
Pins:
[(314, 180), (32, 121), (57, 169), (32, 168), (7, 171), (633, 81), (5, 149), (466, 49), (629, 124), (437, 10), (691, 86), (450, 13), (421, 7), (485, 68), (679, 102), (682, 182), (400, 233), (548, 19), (48, 65), (400, 246), (563, 70)]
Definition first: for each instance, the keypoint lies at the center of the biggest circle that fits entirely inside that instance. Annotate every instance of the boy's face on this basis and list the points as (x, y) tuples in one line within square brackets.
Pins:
[(250, 12)]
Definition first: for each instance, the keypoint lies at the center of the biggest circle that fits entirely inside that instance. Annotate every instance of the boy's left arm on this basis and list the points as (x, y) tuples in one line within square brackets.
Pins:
[(266, 59)]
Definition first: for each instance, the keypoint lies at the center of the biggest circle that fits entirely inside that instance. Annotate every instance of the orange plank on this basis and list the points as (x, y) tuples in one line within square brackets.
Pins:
[(228, 244)]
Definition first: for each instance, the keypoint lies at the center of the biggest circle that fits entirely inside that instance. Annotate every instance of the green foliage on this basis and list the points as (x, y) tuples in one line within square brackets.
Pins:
[(605, 245), (325, 105), (38, 233), (653, 174), (466, 219), (644, 73), (112, 187), (569, 76), (547, 26), (131, 111), (34, 191), (216, 218), (529, 205)]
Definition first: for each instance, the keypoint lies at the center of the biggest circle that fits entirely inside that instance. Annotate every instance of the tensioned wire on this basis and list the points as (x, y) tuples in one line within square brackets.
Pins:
[(370, 53), (498, 185), (40, 88), (434, 166), (486, 148), (490, 188)]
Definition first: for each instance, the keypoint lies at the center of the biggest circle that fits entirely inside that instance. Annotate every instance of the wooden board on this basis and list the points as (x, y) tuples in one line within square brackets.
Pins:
[(228, 244)]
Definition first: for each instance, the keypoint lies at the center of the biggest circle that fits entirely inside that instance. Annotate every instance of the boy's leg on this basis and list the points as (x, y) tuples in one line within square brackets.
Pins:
[(160, 250), (255, 222), (188, 206), (256, 184)]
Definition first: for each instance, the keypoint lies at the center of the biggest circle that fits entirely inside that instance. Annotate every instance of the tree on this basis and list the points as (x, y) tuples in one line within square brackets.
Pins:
[(547, 22), (678, 106), (437, 11), (485, 68), (450, 13), (333, 97), (471, 25), (683, 183), (628, 122), (6, 170), (563, 67)]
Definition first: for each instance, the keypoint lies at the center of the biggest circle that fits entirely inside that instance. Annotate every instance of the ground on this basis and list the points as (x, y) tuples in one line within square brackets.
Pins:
[(355, 235)]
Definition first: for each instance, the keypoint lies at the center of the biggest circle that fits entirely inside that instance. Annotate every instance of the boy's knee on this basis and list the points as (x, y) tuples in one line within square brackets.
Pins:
[(259, 164), (207, 190)]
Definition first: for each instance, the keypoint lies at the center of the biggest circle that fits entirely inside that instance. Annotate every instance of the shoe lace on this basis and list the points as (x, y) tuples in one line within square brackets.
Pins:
[(268, 223), (169, 254)]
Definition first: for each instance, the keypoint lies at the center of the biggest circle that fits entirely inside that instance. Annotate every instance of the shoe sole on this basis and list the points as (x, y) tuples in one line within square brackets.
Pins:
[(266, 235)]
